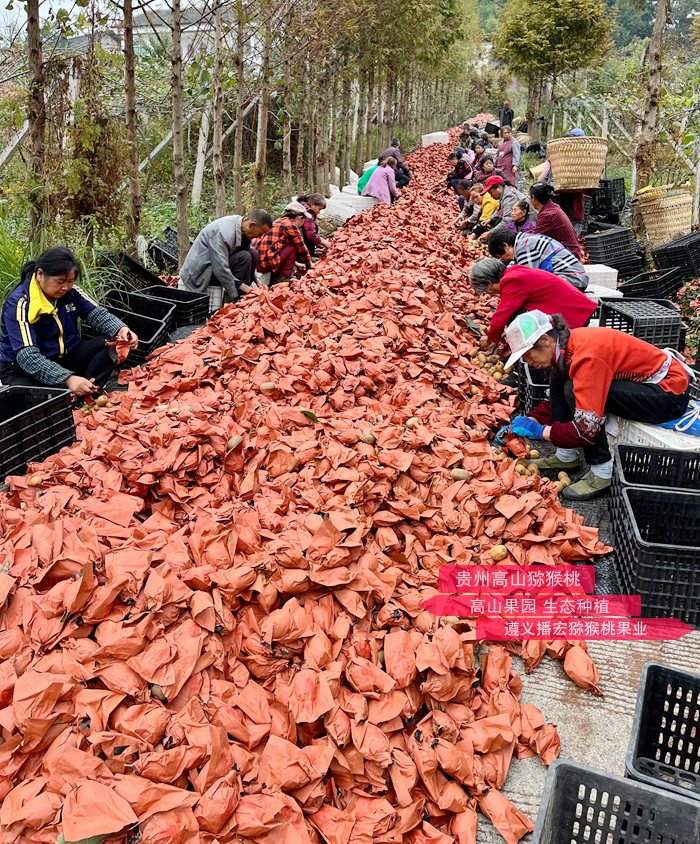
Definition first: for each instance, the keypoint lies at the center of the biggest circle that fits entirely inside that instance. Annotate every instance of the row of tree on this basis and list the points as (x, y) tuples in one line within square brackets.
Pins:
[(322, 86)]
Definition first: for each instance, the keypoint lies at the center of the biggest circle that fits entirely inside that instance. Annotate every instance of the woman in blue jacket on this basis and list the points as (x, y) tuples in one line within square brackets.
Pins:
[(41, 344)]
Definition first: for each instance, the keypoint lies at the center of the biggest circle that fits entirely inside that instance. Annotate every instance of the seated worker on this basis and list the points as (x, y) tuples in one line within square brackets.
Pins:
[(527, 289), (507, 197), (487, 170), (466, 206), (485, 207), (519, 217), (314, 204), (382, 183), (222, 254), (538, 251), (594, 371), (41, 344), (365, 177), (551, 219), (402, 174), (460, 170), (283, 246)]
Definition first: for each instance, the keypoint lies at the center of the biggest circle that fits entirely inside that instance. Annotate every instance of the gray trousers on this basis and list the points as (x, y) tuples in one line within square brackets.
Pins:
[(242, 264)]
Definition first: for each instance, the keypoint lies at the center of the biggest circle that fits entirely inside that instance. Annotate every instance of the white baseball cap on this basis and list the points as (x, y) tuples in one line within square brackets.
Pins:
[(297, 208), (525, 330)]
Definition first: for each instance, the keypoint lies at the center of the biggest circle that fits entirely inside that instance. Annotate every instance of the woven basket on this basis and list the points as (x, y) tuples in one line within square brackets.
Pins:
[(650, 194), (536, 172), (577, 163), (667, 215)]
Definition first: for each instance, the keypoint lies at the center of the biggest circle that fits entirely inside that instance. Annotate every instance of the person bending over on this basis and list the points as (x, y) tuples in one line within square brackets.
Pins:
[(222, 254), (537, 251)]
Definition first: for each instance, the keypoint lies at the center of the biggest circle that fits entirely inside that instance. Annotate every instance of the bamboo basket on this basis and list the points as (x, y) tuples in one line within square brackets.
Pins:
[(666, 214), (577, 163)]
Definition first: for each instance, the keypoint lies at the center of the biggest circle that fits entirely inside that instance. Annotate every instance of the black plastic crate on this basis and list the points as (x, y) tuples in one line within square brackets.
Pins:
[(610, 196), (152, 333), (34, 423), (138, 303), (611, 243), (657, 284), (657, 550), (664, 748), (583, 806), (627, 267), (660, 468), (163, 256), (655, 320), (533, 386), (190, 307), (684, 252), (128, 273)]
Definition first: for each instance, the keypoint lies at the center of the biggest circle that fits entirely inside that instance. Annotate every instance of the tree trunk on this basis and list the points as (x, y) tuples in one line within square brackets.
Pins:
[(388, 112), (321, 137), (183, 237), (533, 113), (380, 118), (263, 116), (36, 115), (333, 132), (644, 155), (362, 129), (240, 101), (218, 97), (311, 104), (202, 144), (287, 134), (301, 137), (344, 154), (134, 216)]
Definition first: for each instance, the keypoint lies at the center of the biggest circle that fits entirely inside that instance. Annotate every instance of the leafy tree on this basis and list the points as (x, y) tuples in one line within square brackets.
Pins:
[(541, 39)]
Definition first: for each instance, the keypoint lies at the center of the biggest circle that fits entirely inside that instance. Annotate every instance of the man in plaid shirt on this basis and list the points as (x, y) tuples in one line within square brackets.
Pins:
[(283, 246)]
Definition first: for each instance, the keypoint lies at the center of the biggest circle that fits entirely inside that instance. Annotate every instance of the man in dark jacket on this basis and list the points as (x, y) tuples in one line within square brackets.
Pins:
[(506, 115)]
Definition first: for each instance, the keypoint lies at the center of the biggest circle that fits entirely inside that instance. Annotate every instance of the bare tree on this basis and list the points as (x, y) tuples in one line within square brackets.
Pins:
[(134, 216), (644, 156), (37, 117), (183, 237), (219, 174), (240, 102), (263, 116)]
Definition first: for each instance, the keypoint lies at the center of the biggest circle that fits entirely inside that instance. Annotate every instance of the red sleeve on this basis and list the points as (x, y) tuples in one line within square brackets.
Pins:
[(566, 435), (312, 231), (513, 298), (542, 413), (298, 241)]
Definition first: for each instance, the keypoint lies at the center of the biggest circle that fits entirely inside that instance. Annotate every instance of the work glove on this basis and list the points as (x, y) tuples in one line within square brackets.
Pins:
[(523, 426), (500, 437)]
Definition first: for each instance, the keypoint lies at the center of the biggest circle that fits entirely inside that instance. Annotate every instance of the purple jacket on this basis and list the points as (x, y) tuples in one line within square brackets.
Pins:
[(393, 151), (382, 185)]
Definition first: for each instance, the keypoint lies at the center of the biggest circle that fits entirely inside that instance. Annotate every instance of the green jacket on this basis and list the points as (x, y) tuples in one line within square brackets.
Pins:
[(364, 178)]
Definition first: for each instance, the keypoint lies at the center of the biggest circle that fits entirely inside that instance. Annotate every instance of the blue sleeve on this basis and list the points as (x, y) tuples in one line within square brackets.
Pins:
[(16, 325), (83, 303)]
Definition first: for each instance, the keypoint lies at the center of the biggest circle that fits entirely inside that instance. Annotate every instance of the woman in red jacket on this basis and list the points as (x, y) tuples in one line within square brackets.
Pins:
[(528, 289), (551, 219), (594, 371)]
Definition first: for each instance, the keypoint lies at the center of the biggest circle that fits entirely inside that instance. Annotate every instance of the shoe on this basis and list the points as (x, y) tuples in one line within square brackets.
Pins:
[(590, 486), (554, 464)]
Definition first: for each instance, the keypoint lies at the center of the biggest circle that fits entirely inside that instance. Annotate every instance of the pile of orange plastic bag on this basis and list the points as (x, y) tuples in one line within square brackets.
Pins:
[(211, 606)]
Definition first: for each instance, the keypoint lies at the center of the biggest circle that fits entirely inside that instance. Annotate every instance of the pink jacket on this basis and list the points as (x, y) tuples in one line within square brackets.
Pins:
[(382, 185)]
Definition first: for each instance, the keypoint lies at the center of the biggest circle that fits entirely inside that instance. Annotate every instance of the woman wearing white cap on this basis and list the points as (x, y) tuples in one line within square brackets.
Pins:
[(594, 371), (283, 246)]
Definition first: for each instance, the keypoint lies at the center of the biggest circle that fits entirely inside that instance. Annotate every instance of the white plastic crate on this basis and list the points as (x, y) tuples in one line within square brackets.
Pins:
[(599, 291), (435, 138), (652, 436), (216, 298), (601, 275), (358, 203)]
